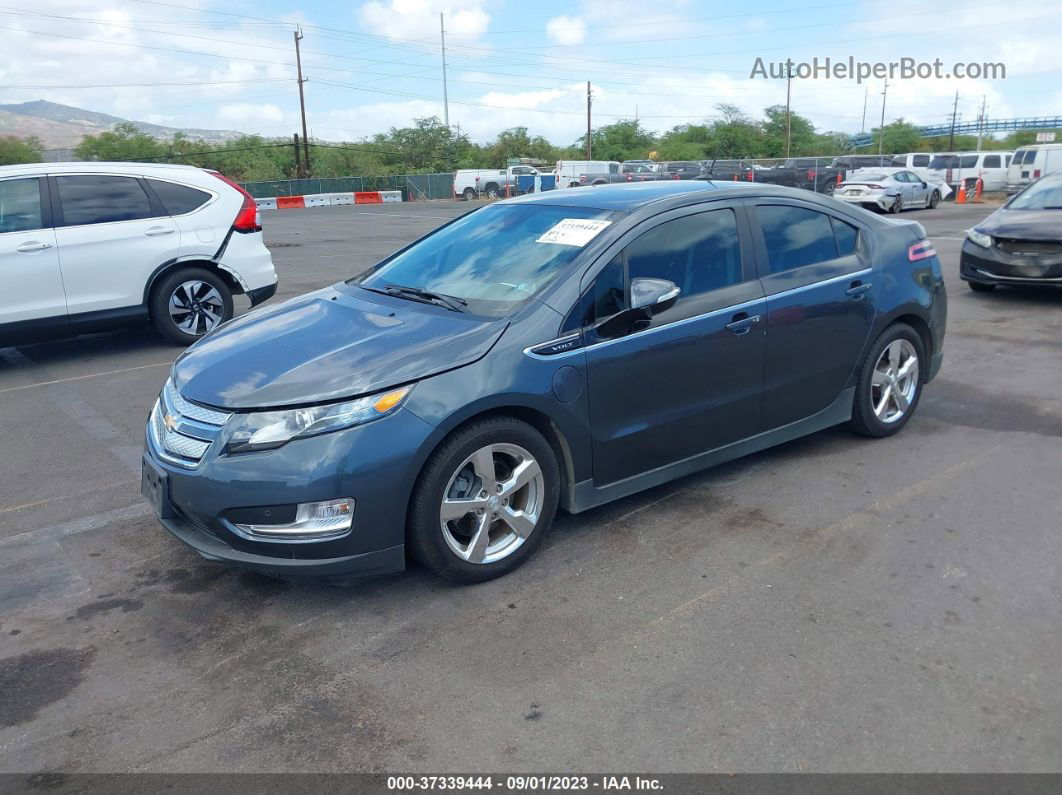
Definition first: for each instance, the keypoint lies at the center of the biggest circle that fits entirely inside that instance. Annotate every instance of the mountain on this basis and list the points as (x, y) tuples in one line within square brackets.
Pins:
[(60, 126)]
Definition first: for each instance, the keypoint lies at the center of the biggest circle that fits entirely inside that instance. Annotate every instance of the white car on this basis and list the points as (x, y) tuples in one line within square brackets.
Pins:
[(86, 246), (890, 192)]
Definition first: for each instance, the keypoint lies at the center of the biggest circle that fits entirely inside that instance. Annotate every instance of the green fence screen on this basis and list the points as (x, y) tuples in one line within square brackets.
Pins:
[(415, 187)]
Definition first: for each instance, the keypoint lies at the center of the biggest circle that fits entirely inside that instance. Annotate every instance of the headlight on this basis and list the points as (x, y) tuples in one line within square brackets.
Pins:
[(266, 430), (980, 238)]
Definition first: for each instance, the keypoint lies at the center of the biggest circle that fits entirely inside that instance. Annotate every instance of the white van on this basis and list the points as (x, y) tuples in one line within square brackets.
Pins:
[(569, 171), (912, 160), (1032, 162), (958, 167)]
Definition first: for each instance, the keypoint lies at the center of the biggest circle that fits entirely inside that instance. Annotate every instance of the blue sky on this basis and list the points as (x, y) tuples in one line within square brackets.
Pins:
[(376, 64)]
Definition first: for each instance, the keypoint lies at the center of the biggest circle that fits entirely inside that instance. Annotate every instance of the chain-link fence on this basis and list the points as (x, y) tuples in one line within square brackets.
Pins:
[(415, 187)]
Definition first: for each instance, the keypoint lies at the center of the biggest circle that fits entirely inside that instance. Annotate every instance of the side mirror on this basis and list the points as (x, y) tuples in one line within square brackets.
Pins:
[(653, 294), (924, 185)]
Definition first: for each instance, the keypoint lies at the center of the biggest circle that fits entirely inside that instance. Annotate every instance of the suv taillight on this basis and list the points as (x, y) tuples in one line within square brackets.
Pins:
[(921, 250), (247, 219)]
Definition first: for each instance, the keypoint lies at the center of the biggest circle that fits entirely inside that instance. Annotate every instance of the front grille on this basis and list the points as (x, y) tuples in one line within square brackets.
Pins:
[(182, 431), (1030, 248)]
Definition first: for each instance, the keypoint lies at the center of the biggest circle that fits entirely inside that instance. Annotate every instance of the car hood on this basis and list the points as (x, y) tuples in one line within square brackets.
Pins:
[(1023, 224), (328, 345)]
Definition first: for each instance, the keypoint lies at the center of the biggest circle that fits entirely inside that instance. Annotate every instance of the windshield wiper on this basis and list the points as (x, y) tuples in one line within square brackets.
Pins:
[(451, 302)]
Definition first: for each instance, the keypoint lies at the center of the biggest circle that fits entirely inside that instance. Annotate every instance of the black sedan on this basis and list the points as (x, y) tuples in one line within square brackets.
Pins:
[(1020, 243)]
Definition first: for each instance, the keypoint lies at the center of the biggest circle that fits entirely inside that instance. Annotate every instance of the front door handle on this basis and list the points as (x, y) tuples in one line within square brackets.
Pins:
[(742, 323), (33, 245), (858, 289), (155, 231)]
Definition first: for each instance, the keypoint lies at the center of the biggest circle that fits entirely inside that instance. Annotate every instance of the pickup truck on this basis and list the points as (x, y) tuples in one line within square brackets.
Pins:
[(491, 183), (640, 172)]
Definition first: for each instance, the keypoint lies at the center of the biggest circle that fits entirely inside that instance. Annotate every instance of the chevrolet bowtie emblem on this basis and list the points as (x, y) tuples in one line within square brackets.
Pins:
[(170, 422)]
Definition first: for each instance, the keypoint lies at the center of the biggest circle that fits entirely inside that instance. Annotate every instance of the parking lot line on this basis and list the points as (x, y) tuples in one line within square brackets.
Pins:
[(82, 377)]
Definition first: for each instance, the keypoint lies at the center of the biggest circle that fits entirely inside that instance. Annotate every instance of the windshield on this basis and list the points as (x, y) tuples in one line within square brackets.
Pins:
[(1043, 195), (495, 258)]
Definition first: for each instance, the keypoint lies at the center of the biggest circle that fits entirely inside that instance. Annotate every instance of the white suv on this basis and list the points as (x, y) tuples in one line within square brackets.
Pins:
[(85, 246)]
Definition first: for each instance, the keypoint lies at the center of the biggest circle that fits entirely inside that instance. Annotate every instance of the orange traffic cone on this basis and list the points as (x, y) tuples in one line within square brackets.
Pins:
[(979, 189), (961, 198)]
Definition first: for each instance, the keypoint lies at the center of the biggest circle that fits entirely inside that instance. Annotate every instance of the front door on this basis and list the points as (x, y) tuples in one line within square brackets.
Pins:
[(687, 380), (821, 290), (31, 285)]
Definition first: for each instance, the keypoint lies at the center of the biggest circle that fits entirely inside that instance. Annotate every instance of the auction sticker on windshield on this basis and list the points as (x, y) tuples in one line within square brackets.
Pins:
[(573, 232)]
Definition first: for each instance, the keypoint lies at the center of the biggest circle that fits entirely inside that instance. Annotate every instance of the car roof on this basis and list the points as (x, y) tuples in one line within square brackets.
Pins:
[(630, 196), (90, 166)]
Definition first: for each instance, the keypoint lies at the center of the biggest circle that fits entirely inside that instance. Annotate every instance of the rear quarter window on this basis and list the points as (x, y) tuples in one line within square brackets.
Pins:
[(795, 236), (178, 199)]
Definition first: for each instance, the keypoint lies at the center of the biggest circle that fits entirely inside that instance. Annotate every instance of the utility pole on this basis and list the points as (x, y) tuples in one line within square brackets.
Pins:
[(788, 85), (302, 103), (589, 144), (298, 160), (981, 122), (954, 111), (446, 99), (863, 124), (881, 132)]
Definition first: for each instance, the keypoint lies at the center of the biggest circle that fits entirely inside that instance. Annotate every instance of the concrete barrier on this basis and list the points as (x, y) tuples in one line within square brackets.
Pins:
[(290, 202), (368, 197), (340, 198), (329, 199), (266, 204), (316, 200), (389, 196)]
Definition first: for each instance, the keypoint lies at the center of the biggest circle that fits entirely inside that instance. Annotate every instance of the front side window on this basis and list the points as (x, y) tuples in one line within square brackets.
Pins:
[(795, 236), (698, 252), (20, 205), (496, 258), (100, 199)]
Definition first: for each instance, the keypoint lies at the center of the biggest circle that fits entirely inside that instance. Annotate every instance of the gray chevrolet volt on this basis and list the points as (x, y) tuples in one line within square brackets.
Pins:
[(554, 351)]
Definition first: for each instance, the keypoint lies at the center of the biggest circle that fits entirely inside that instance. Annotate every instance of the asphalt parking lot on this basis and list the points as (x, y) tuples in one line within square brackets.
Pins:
[(834, 604)]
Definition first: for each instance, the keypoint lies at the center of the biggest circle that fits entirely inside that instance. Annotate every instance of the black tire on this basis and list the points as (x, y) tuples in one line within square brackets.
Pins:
[(469, 194), (934, 200), (981, 287), (897, 206), (424, 532), (829, 188), (492, 191), (158, 305), (864, 421)]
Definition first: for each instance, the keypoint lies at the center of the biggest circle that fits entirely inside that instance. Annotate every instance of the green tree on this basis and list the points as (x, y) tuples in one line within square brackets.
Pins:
[(802, 137), (15, 150), (124, 142), (899, 136), (622, 140)]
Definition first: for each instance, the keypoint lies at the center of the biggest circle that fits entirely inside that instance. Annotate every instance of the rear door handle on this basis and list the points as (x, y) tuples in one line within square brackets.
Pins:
[(155, 231), (33, 245), (858, 289), (742, 322)]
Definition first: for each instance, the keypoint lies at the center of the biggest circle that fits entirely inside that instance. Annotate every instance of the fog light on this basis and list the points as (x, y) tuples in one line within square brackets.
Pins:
[(314, 521)]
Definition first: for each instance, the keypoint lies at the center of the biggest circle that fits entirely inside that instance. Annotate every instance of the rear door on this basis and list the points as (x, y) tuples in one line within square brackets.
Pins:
[(112, 235), (31, 284), (820, 289), (688, 380)]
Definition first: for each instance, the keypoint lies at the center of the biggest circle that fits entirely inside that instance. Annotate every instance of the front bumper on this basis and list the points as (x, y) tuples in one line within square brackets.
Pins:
[(992, 266), (376, 464)]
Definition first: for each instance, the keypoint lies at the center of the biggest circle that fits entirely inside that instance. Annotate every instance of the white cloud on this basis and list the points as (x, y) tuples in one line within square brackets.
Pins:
[(419, 19), (566, 30)]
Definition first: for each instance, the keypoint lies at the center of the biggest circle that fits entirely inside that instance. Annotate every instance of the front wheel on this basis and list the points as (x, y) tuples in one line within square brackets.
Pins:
[(934, 199), (889, 383), (189, 303), (484, 501), (492, 192), (829, 188)]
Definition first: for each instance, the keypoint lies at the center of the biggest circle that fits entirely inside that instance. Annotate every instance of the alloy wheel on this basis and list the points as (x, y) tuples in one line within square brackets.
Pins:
[(196, 307), (492, 503), (895, 381)]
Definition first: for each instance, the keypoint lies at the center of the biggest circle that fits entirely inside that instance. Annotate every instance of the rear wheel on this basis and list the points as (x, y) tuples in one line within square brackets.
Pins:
[(492, 191), (484, 501), (189, 303), (890, 382), (829, 188), (469, 194), (897, 206), (979, 287)]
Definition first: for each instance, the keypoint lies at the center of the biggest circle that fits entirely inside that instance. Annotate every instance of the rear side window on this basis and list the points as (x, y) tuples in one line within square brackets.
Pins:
[(99, 199), (20, 205), (920, 161), (178, 199), (698, 253), (847, 236), (968, 161), (795, 236), (900, 161), (1019, 157), (992, 161)]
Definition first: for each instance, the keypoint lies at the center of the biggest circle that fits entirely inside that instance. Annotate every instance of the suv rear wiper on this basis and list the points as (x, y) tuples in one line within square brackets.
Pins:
[(451, 302)]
